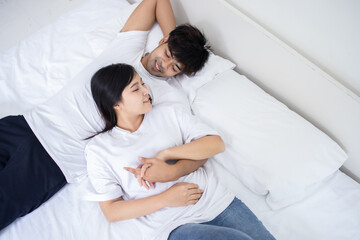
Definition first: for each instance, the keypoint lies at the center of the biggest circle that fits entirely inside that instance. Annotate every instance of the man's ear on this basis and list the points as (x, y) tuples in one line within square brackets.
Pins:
[(164, 39)]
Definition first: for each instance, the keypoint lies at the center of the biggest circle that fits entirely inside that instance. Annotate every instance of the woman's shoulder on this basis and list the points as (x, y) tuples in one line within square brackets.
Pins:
[(100, 140)]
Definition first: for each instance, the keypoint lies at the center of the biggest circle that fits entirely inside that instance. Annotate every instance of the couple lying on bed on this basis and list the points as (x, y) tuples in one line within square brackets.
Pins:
[(44, 149)]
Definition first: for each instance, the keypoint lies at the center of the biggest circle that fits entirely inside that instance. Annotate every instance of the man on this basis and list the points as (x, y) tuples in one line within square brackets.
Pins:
[(182, 50), (42, 150)]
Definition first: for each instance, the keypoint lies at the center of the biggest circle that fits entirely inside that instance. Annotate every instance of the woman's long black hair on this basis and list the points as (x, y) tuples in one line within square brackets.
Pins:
[(107, 86)]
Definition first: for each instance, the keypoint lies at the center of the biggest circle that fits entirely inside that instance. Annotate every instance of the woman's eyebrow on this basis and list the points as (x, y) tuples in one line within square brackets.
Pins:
[(134, 84)]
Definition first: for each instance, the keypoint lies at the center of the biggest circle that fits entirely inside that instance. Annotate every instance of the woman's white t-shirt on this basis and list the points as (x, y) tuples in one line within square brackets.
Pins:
[(163, 127), (62, 123)]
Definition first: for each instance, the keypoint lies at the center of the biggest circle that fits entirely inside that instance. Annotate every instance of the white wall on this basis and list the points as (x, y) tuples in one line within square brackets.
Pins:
[(327, 32)]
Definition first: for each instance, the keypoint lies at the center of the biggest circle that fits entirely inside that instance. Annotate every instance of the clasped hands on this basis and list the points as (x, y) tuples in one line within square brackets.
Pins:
[(153, 170)]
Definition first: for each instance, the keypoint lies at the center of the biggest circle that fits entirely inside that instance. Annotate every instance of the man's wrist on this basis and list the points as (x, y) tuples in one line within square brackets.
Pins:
[(175, 172)]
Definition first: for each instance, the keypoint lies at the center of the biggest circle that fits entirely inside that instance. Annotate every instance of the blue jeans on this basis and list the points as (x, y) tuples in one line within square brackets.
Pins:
[(236, 222)]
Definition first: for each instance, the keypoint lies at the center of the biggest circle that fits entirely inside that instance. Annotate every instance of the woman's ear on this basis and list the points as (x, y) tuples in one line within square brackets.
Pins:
[(117, 106), (164, 39)]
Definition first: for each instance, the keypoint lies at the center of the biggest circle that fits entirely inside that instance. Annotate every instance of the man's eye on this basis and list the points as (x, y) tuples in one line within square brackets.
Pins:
[(167, 55)]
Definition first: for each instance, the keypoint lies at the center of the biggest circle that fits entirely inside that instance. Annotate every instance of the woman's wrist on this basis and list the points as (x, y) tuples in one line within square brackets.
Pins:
[(163, 155)]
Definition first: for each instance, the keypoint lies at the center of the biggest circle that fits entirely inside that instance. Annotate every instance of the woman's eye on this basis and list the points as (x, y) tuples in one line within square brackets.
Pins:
[(136, 90)]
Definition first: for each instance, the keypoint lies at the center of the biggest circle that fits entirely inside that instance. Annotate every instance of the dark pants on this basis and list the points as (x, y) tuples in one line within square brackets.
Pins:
[(28, 175)]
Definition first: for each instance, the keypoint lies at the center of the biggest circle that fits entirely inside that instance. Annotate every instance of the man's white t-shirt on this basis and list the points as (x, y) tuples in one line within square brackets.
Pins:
[(64, 122), (163, 127)]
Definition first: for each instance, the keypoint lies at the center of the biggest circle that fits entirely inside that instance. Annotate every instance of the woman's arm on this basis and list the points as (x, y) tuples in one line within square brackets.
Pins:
[(180, 194), (199, 149)]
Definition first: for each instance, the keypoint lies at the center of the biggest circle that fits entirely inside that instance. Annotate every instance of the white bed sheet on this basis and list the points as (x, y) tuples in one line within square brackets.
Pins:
[(332, 213), (57, 53)]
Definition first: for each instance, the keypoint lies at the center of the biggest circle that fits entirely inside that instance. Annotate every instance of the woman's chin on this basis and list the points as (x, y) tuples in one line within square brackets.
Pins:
[(148, 108)]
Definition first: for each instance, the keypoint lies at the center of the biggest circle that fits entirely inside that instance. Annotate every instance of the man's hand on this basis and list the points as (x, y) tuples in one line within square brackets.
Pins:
[(154, 170)]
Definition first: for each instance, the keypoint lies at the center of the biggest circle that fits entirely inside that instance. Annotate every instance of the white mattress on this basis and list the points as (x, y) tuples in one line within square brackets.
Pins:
[(56, 53)]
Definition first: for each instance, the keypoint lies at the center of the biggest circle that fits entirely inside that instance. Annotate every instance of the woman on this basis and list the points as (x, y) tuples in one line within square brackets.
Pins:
[(134, 128)]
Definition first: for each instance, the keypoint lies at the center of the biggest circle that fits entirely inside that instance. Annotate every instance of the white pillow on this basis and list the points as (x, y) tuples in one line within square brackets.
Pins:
[(105, 33), (270, 148), (212, 67)]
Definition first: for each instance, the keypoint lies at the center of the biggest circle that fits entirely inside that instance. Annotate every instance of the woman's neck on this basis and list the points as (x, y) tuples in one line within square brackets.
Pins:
[(129, 123)]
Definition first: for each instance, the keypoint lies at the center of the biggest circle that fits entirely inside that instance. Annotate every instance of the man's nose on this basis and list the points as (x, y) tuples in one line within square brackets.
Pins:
[(167, 62)]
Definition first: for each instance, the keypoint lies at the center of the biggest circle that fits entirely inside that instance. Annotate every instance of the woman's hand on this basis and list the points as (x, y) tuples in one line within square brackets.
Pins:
[(182, 194), (139, 173)]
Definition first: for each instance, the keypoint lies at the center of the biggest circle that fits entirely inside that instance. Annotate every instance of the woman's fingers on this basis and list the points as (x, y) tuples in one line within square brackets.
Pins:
[(152, 185), (145, 184)]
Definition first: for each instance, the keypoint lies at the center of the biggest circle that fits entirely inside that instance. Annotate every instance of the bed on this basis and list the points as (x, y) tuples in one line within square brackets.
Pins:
[(283, 167)]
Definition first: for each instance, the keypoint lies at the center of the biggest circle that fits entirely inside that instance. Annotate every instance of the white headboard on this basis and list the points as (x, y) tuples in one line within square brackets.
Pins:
[(279, 70)]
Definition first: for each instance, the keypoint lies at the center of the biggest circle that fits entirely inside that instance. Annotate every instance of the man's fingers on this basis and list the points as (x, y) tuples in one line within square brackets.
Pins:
[(143, 169)]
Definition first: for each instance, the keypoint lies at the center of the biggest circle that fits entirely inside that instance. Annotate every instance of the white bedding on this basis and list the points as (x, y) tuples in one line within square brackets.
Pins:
[(38, 67), (332, 213)]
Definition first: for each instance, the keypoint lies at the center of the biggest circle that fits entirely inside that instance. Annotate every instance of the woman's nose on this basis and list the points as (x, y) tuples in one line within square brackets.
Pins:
[(145, 90)]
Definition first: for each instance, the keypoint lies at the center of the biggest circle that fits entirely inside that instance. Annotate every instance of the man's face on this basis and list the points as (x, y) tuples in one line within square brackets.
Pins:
[(160, 62)]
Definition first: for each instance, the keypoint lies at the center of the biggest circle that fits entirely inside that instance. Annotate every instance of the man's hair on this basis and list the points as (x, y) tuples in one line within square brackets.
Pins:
[(189, 46)]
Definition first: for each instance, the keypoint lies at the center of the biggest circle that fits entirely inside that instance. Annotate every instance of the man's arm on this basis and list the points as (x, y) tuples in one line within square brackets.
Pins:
[(160, 171), (191, 157), (149, 11)]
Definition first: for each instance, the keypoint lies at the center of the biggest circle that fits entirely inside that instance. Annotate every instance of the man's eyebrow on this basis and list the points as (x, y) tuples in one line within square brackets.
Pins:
[(172, 56)]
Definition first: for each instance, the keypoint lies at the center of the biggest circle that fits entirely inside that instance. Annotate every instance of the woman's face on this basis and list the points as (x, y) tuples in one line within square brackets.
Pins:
[(135, 97)]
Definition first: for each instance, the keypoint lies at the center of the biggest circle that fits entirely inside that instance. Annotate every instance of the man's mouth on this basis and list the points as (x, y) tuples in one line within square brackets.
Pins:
[(157, 67)]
